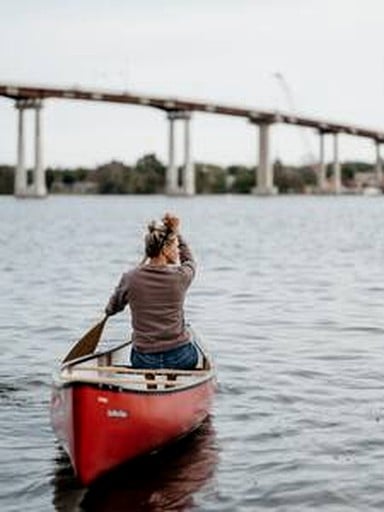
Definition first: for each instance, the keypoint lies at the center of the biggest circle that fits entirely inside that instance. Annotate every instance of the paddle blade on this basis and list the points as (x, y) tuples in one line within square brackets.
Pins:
[(87, 344)]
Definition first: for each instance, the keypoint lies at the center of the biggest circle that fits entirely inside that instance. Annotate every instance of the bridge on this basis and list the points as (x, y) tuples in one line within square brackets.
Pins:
[(179, 109)]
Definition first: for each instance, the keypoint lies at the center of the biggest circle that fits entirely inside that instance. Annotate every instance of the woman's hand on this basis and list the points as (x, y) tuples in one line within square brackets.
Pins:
[(172, 222)]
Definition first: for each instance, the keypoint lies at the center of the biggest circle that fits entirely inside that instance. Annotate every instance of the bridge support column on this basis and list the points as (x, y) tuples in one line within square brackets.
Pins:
[(188, 184), (336, 165), (379, 166), (171, 174), (264, 174), (322, 174), (22, 187), (40, 188), (188, 176)]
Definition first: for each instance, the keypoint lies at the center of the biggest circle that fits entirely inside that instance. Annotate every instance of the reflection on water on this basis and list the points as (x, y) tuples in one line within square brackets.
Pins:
[(166, 481)]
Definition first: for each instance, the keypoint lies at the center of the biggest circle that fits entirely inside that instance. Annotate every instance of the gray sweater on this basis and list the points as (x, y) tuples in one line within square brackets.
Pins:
[(156, 295)]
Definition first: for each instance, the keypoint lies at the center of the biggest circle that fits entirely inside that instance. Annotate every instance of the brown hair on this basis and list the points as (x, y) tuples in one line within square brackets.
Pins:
[(159, 234)]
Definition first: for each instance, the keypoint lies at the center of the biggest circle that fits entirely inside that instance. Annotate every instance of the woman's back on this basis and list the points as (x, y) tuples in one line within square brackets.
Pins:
[(156, 298)]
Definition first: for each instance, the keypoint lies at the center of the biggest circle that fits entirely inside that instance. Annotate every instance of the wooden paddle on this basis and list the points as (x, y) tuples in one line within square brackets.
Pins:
[(86, 344)]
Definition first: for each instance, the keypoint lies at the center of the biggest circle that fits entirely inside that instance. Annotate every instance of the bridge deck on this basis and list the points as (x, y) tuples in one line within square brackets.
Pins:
[(19, 92)]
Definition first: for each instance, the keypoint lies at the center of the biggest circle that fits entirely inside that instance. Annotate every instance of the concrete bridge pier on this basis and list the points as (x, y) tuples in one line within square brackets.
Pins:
[(22, 187), (264, 173), (187, 186), (379, 166), (188, 181), (322, 170), (336, 165), (171, 178), (40, 188)]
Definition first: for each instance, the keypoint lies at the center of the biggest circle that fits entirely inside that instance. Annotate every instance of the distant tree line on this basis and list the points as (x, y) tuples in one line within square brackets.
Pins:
[(147, 176)]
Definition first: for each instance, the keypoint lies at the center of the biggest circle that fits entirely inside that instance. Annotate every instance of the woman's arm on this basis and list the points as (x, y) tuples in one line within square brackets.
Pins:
[(188, 264), (119, 298)]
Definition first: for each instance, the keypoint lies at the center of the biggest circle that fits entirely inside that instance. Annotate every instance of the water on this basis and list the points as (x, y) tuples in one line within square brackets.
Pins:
[(289, 298)]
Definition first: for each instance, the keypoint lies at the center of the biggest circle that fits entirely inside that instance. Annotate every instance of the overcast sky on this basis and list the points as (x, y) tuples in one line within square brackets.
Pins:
[(329, 52)]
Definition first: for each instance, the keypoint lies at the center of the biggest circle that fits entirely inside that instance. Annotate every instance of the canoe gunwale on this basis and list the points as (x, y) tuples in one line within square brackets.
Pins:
[(130, 390)]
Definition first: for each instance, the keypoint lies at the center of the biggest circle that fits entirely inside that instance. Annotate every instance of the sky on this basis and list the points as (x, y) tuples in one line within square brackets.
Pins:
[(328, 53)]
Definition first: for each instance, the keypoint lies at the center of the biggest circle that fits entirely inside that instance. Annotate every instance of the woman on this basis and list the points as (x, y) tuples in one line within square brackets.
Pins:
[(155, 292)]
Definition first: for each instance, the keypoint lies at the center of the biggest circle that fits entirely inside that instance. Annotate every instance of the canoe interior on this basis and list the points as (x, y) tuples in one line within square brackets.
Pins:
[(110, 368)]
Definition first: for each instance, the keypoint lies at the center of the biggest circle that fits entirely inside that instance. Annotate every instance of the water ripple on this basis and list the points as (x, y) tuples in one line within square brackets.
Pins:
[(288, 298)]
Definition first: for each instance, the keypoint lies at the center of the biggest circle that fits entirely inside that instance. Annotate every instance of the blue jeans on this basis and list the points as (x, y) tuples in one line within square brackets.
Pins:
[(180, 358)]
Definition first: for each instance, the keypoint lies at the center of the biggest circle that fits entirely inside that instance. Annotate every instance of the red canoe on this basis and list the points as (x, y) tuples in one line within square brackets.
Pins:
[(105, 413)]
